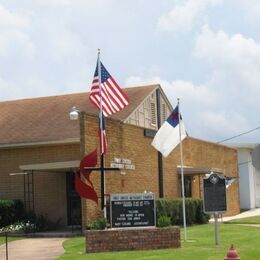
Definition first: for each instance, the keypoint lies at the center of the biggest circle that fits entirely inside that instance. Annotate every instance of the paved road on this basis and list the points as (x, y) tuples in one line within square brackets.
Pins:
[(33, 249)]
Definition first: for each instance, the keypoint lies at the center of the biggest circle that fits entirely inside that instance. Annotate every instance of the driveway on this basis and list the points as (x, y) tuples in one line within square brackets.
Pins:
[(33, 249)]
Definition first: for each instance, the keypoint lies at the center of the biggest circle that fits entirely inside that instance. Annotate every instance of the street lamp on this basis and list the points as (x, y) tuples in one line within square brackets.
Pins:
[(74, 113)]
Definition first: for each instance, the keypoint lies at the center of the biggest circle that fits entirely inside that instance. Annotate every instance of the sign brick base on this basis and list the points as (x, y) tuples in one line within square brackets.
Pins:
[(132, 239)]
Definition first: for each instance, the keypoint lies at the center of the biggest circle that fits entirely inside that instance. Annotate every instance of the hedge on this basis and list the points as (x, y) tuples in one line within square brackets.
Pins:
[(173, 208), (10, 212)]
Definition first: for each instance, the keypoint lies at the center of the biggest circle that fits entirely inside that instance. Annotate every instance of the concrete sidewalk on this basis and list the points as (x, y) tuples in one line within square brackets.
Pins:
[(245, 214), (33, 249)]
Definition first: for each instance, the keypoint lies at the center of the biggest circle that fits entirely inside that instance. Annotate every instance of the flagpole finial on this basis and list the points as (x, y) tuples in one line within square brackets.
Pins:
[(98, 51)]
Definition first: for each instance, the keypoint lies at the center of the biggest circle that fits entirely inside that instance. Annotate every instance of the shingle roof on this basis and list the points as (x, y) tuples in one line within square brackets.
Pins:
[(46, 119)]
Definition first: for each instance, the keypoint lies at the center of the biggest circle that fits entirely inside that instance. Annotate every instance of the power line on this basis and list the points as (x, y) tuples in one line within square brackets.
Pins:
[(247, 132)]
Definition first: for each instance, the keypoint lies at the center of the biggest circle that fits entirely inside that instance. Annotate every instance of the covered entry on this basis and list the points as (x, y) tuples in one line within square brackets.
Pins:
[(193, 180), (51, 192)]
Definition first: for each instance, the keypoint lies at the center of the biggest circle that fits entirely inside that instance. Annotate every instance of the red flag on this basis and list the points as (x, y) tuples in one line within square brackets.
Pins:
[(102, 136)]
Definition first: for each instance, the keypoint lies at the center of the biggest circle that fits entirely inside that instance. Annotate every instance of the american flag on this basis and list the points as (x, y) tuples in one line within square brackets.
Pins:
[(109, 98), (112, 98)]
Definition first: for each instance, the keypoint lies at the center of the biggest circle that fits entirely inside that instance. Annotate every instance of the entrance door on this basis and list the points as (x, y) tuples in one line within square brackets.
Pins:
[(187, 186), (257, 188), (73, 202)]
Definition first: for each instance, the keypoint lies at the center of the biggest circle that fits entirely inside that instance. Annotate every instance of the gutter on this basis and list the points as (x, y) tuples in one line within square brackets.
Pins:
[(29, 144)]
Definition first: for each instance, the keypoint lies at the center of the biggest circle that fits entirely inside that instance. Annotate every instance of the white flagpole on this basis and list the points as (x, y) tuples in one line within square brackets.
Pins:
[(100, 101), (101, 136), (182, 176)]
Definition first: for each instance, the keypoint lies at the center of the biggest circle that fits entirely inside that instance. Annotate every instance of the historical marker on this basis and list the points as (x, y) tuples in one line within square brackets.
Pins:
[(215, 198), (132, 210), (215, 194)]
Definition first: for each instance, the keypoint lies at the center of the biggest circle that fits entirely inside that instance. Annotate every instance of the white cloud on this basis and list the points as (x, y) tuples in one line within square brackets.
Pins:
[(251, 8), (182, 16), (53, 2), (234, 59), (10, 20), (221, 48), (196, 94), (198, 103), (207, 111), (185, 90), (7, 89), (14, 41), (223, 124), (63, 43), (227, 103), (235, 66)]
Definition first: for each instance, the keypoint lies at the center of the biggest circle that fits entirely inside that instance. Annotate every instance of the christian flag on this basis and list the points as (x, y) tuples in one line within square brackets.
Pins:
[(168, 136), (109, 95)]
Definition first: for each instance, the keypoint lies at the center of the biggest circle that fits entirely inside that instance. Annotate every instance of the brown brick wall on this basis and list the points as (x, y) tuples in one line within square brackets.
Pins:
[(49, 187), (127, 141), (129, 239), (124, 141)]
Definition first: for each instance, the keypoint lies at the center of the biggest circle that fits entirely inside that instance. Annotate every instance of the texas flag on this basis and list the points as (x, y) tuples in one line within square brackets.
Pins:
[(168, 136)]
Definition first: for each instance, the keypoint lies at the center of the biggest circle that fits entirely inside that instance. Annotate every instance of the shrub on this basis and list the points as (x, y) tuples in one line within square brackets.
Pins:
[(11, 211), (99, 224), (22, 226), (34, 223), (172, 208), (163, 221), (13, 217)]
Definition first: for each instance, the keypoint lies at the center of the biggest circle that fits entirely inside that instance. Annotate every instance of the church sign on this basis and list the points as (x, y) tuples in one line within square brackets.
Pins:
[(122, 163), (132, 210)]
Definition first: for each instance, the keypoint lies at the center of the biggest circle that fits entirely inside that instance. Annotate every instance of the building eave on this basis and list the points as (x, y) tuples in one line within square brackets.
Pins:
[(43, 143), (49, 167), (243, 145)]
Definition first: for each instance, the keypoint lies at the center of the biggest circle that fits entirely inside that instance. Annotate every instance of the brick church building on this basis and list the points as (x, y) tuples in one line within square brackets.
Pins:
[(40, 147)]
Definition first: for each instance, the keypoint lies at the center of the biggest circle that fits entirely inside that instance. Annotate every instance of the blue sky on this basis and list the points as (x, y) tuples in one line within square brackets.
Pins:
[(207, 52)]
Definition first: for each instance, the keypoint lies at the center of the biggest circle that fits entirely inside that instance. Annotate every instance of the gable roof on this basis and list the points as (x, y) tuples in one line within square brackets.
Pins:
[(46, 119)]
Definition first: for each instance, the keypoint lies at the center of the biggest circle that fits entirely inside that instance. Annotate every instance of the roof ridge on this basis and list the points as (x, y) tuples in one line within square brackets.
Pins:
[(72, 94)]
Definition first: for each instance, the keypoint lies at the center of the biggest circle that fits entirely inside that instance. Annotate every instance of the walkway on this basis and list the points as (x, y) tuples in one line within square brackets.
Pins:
[(33, 249), (245, 214)]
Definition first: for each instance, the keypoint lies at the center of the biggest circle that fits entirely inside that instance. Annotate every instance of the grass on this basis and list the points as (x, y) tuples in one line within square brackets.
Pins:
[(9, 239), (200, 245), (250, 220)]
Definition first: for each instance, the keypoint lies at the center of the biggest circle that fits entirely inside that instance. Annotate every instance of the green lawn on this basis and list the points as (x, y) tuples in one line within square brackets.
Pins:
[(200, 245), (2, 239), (250, 220)]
